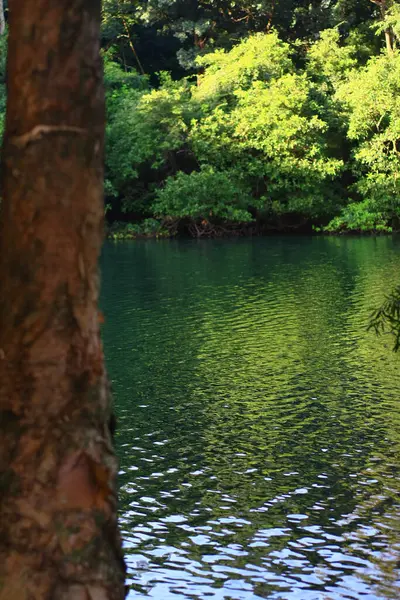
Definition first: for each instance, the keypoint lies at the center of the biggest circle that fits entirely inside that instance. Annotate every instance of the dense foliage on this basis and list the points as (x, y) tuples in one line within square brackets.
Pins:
[(245, 116)]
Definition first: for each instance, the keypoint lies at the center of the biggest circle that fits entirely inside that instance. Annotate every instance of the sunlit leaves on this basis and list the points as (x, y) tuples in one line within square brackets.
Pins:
[(204, 195), (144, 127), (257, 58), (371, 96), (249, 139), (276, 140), (329, 59)]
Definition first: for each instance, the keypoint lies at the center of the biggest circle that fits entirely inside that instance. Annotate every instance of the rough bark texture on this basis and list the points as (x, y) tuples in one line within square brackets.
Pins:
[(59, 538)]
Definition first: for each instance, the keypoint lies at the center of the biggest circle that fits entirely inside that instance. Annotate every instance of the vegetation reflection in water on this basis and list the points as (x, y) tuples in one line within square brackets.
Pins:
[(259, 424)]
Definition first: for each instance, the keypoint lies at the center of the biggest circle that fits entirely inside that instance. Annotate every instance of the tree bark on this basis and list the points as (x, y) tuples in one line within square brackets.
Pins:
[(389, 40), (59, 537)]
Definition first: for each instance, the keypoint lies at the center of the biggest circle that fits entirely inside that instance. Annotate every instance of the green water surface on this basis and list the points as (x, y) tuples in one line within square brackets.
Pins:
[(259, 423)]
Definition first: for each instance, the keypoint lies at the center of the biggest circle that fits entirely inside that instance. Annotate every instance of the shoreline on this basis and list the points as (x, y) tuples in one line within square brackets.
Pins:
[(121, 235)]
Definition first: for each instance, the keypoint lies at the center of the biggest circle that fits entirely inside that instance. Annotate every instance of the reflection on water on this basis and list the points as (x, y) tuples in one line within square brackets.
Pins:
[(259, 426)]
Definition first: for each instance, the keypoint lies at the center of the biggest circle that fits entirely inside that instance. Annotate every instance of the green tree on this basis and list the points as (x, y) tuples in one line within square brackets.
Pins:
[(118, 19), (147, 129), (371, 100), (312, 155), (208, 199), (251, 120), (191, 28), (329, 60), (275, 139), (258, 57), (386, 19)]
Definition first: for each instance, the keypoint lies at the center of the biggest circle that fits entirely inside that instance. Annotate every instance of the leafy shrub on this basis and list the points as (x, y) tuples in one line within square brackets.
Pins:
[(205, 195), (143, 134), (360, 217), (276, 140), (148, 228)]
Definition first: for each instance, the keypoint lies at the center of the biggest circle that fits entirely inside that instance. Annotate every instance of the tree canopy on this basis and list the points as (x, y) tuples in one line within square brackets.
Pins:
[(245, 116)]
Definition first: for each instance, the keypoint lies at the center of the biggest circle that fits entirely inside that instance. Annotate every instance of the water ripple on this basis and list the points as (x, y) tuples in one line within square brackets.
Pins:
[(259, 430)]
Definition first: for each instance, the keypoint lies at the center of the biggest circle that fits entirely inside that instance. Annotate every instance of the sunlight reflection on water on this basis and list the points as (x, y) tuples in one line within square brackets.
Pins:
[(259, 430)]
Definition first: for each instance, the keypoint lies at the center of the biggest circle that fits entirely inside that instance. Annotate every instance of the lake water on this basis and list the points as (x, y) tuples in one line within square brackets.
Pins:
[(259, 422)]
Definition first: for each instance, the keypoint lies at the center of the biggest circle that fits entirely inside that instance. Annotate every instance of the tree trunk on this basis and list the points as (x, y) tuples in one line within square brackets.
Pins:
[(132, 47), (2, 19), (59, 538), (389, 40), (384, 5)]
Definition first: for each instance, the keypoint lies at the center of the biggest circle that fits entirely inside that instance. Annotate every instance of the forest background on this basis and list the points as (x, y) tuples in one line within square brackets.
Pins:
[(246, 116)]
